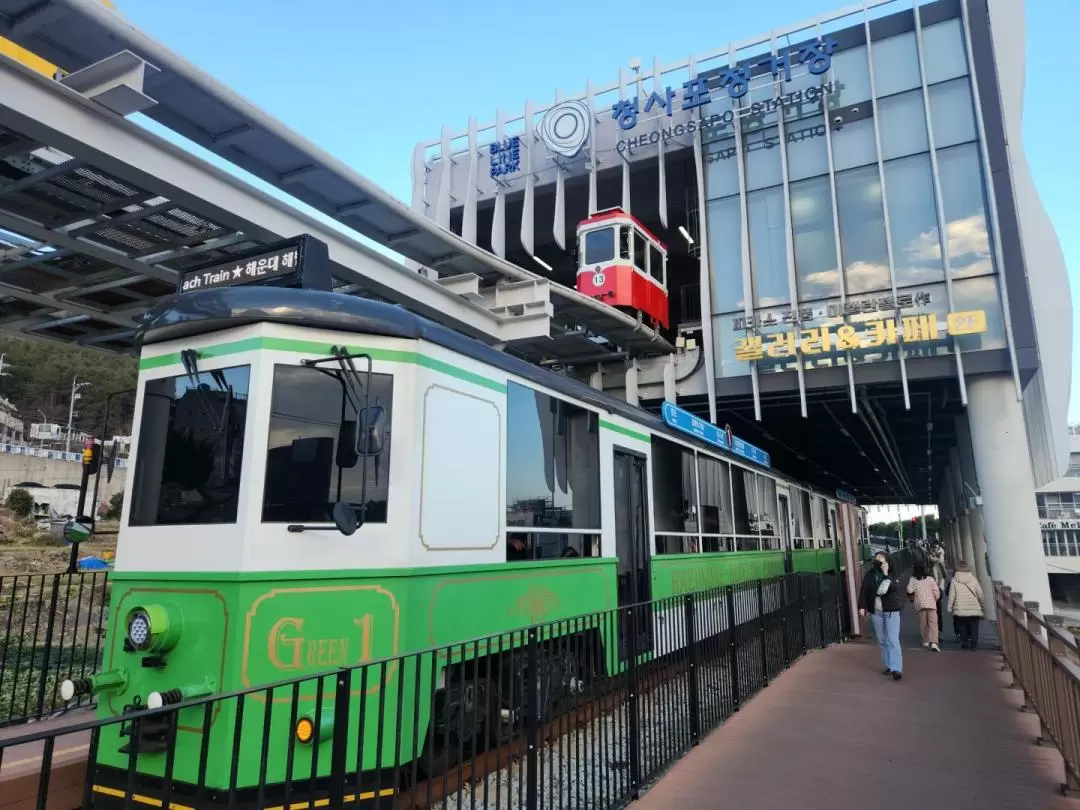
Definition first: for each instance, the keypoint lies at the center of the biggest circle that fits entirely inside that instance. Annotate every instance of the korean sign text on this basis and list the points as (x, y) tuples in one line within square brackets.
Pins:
[(919, 328), (259, 268)]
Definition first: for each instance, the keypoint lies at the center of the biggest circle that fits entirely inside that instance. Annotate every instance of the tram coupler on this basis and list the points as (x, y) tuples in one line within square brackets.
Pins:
[(171, 697), (114, 679)]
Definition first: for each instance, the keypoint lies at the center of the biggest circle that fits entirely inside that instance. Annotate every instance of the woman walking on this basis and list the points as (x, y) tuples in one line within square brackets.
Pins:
[(926, 594), (966, 605), (880, 597)]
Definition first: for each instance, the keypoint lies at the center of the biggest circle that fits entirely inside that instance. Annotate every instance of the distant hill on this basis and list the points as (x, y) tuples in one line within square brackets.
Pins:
[(39, 378)]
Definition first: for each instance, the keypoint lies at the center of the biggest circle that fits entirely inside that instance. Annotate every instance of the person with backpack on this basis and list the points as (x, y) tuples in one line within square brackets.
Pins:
[(966, 605), (880, 597)]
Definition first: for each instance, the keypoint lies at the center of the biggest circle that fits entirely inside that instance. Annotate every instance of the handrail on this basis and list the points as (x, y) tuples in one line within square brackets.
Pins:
[(1044, 660)]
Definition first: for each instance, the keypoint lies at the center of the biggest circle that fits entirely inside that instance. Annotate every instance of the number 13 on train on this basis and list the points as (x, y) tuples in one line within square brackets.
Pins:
[(622, 264)]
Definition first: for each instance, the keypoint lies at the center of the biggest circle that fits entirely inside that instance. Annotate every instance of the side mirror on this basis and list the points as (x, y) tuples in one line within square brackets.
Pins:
[(78, 529), (347, 456), (370, 435), (345, 518)]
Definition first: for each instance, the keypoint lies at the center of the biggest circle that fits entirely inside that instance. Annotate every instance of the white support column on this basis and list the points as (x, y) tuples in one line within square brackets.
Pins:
[(975, 517), (1003, 465), (960, 499), (632, 383)]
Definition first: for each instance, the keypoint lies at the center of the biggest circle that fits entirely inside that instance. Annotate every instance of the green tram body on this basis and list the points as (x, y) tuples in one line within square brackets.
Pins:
[(251, 604)]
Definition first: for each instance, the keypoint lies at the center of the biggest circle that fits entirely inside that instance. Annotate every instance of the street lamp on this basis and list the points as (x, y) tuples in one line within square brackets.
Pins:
[(75, 386)]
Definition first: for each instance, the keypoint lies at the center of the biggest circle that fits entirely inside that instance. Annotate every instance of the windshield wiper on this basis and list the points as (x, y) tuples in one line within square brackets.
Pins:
[(190, 359), (356, 389)]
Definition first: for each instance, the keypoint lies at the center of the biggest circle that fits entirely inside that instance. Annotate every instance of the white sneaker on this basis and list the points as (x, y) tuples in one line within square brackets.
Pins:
[(926, 643), (935, 647)]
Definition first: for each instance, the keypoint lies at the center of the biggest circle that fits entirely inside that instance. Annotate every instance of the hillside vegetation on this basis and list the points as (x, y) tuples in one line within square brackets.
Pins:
[(39, 378)]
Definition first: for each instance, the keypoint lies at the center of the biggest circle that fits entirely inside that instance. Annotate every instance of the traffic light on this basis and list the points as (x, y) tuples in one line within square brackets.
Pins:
[(91, 458)]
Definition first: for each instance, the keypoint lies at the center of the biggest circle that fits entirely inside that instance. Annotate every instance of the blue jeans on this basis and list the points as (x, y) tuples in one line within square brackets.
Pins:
[(887, 630)]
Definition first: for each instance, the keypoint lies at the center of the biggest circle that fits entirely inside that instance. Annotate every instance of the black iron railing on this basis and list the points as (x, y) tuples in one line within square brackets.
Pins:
[(581, 712), (52, 626)]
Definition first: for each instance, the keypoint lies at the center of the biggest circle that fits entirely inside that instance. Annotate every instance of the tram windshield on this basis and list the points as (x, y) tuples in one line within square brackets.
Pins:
[(599, 246), (191, 443), (311, 460)]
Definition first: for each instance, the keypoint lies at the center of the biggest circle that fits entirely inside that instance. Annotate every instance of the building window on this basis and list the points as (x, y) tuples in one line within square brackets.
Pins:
[(191, 446), (308, 465), (944, 54), (721, 169), (909, 184), (675, 509), (552, 474), (761, 148), (981, 293), (862, 230), (850, 75), (814, 238), (896, 64), (964, 199), (725, 254), (902, 125), (807, 148), (768, 247), (1074, 466), (952, 113), (853, 145)]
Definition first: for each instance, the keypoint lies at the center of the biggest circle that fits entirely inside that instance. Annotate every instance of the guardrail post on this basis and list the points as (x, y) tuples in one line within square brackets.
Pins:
[(764, 633), (1013, 600), (633, 724), (532, 720), (45, 668), (733, 649), (821, 610), (692, 669), (1030, 609), (340, 744)]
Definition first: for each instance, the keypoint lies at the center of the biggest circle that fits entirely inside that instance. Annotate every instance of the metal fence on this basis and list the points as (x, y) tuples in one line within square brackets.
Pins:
[(576, 713), (53, 626), (1045, 663)]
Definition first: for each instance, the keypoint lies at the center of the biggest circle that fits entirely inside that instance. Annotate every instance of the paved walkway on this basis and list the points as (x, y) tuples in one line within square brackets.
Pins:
[(834, 733)]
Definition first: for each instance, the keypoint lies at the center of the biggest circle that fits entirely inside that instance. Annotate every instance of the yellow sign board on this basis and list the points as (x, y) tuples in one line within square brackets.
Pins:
[(884, 332), (32, 60)]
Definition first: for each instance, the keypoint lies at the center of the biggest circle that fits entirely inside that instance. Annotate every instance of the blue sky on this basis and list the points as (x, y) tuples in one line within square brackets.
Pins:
[(366, 81)]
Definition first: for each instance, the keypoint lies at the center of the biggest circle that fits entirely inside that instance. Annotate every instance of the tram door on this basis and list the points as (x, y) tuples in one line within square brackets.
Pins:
[(632, 548)]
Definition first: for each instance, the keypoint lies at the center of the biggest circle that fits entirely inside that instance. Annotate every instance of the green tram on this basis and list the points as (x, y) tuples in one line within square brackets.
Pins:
[(322, 480)]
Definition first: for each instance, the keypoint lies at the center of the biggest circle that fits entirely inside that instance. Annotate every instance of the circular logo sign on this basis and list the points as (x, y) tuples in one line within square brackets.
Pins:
[(598, 279), (565, 127)]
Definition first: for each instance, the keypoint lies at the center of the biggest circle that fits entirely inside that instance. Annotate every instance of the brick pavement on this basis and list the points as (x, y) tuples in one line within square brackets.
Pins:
[(834, 733)]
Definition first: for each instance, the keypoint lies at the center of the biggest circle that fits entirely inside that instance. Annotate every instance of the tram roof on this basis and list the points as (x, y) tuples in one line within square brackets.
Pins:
[(203, 311)]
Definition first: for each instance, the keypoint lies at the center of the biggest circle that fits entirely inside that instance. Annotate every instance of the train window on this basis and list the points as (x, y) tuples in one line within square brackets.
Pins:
[(769, 522), (525, 545), (552, 466), (641, 256), (303, 478), (817, 513), (624, 243), (804, 529), (714, 477), (191, 444), (675, 507), (745, 509), (656, 264), (599, 246)]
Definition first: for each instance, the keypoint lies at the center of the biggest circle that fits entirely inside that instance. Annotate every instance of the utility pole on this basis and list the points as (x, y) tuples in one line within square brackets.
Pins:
[(75, 386)]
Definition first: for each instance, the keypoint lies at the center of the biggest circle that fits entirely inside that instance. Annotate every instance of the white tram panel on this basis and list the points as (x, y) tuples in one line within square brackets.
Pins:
[(203, 548)]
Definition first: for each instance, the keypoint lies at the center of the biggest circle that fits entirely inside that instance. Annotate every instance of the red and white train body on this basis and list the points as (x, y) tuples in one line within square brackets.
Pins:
[(622, 264)]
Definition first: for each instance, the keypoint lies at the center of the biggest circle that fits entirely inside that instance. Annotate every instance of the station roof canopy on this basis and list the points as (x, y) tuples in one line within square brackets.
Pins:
[(87, 249)]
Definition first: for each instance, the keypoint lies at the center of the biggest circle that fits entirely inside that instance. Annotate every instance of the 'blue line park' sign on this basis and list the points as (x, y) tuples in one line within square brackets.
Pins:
[(684, 421)]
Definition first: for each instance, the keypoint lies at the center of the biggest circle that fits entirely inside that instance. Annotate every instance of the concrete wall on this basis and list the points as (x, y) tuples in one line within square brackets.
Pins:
[(17, 468)]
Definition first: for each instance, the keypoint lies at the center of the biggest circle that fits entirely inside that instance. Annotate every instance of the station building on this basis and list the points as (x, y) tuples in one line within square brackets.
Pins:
[(860, 275)]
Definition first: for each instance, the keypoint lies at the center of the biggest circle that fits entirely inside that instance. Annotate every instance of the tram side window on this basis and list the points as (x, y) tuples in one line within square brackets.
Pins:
[(599, 246), (552, 477), (717, 527), (768, 520), (191, 444), (745, 504), (656, 264), (804, 531), (675, 507), (641, 257), (307, 468)]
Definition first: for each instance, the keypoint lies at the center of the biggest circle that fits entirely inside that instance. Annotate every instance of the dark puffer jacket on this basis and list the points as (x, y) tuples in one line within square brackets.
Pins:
[(891, 601)]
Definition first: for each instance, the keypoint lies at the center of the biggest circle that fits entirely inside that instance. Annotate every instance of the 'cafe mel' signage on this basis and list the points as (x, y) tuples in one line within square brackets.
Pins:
[(1059, 524)]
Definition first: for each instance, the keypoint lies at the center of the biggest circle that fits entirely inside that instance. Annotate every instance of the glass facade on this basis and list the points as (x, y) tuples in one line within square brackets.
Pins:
[(866, 268)]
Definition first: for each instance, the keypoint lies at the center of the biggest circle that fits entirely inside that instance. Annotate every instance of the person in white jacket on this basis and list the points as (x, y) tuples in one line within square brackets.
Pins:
[(966, 605)]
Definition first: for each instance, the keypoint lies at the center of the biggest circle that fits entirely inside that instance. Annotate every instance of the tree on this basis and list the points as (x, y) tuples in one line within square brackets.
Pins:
[(20, 502)]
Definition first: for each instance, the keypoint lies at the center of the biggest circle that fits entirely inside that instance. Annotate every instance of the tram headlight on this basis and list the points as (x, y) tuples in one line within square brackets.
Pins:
[(153, 628)]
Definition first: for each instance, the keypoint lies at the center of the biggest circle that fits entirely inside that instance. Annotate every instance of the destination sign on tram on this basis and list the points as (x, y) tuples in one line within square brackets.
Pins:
[(274, 264), (685, 422)]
